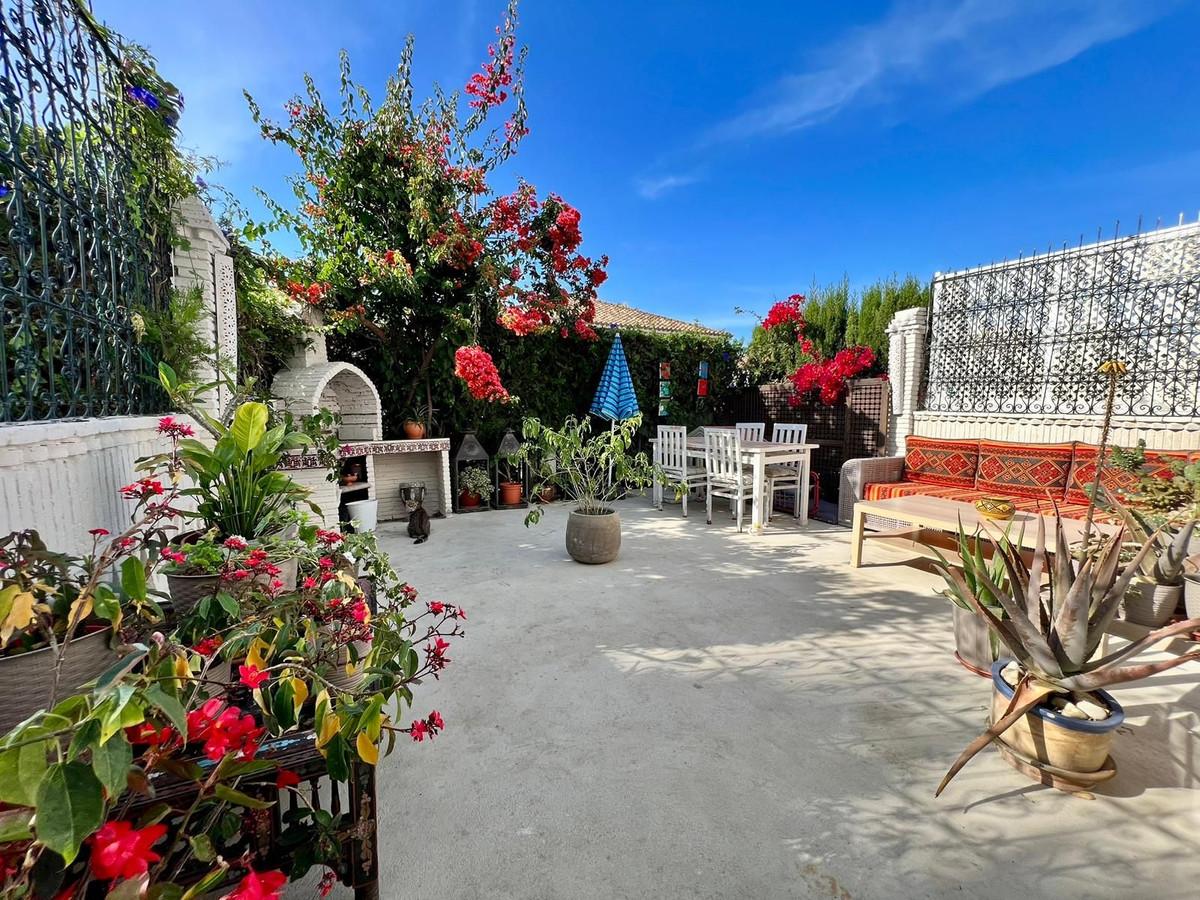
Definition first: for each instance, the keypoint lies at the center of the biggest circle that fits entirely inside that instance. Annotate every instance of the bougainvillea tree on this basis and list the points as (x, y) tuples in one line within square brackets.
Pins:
[(403, 241), (784, 326)]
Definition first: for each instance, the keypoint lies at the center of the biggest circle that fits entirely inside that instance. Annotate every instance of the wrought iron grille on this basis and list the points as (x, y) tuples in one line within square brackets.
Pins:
[(75, 256), (1027, 336)]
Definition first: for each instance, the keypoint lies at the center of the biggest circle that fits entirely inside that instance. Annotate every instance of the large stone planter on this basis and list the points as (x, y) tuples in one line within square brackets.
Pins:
[(594, 538), (25, 678), (1149, 603)]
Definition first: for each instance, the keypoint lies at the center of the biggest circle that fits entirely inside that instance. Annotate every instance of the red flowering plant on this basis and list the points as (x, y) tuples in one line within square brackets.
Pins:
[(548, 284), (153, 778), (827, 377), (401, 247)]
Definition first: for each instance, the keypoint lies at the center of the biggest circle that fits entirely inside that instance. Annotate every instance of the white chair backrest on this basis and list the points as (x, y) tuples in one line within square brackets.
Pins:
[(750, 431), (788, 434), (722, 453), (672, 447)]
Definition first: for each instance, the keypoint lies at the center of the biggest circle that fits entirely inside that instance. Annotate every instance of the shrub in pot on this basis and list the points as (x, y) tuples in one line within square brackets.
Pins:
[(1053, 699), (594, 469), (193, 571), (475, 486), (1156, 592)]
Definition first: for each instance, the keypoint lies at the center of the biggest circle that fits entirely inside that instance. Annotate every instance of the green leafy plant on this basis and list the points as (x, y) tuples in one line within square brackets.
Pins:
[(321, 429), (172, 334), (593, 469), (476, 480), (1054, 632), (237, 488), (204, 557)]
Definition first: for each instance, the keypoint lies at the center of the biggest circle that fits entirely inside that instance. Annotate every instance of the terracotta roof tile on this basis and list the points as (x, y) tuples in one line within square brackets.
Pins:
[(618, 315)]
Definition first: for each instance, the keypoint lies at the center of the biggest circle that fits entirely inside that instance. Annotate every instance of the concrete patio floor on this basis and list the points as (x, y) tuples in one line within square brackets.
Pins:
[(725, 715)]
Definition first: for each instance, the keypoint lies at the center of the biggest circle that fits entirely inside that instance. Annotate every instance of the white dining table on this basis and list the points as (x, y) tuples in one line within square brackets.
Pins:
[(758, 455)]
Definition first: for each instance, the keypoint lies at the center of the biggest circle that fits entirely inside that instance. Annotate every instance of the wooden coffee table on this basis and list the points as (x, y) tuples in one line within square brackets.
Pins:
[(934, 521)]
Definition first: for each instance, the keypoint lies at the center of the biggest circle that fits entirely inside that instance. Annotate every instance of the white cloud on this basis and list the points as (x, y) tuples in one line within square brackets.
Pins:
[(959, 49), (654, 187)]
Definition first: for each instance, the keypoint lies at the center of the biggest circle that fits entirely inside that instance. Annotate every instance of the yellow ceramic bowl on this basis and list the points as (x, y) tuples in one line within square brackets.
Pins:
[(995, 507)]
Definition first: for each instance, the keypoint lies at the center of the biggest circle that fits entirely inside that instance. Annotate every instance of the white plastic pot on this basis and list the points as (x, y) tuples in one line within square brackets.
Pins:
[(364, 513)]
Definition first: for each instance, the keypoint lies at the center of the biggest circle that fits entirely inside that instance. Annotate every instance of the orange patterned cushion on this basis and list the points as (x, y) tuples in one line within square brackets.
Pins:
[(886, 491), (939, 461), (1083, 470), (1024, 470)]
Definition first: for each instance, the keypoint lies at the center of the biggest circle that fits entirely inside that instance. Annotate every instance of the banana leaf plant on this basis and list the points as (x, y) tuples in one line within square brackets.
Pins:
[(1054, 631)]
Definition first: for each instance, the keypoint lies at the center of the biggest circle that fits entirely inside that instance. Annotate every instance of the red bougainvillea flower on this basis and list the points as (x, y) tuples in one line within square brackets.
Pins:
[(235, 542), (99, 532), (828, 377), (785, 312), (209, 645), (121, 851), (253, 677), (435, 721), (418, 730), (436, 607), (259, 886), (168, 426), (286, 778), (474, 365)]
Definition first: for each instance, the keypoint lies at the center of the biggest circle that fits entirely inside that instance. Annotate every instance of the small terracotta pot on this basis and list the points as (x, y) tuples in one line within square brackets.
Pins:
[(510, 493), (548, 494), (468, 500), (413, 430)]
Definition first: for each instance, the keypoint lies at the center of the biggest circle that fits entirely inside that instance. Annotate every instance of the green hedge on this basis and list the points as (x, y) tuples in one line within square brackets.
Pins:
[(555, 377)]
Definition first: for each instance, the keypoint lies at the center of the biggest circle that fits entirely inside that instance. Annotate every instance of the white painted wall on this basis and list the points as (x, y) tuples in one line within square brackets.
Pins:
[(63, 478)]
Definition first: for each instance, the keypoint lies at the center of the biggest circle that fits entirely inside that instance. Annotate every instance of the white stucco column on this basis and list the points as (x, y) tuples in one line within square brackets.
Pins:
[(204, 261), (906, 368)]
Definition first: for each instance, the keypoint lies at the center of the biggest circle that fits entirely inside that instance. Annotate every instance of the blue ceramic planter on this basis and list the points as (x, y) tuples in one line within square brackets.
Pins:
[(1116, 715)]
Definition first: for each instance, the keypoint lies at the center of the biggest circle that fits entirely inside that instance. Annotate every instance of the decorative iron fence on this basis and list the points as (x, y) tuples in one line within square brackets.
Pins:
[(852, 429), (1027, 336), (77, 255)]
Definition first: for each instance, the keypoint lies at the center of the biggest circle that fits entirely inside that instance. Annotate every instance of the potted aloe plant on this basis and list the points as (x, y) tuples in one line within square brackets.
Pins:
[(594, 470), (976, 646), (1049, 713), (1156, 592)]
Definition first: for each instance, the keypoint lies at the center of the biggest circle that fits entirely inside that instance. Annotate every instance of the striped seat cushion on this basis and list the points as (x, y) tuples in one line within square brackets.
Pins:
[(1083, 471), (939, 461), (1037, 471), (886, 491)]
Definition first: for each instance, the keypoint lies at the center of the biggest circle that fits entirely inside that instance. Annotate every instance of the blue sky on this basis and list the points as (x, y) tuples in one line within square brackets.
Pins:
[(727, 154)]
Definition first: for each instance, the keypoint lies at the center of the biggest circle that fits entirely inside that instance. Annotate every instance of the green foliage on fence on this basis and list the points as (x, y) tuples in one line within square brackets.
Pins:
[(554, 377)]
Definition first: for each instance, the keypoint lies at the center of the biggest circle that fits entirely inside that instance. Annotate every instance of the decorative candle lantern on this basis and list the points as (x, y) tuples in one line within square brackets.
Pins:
[(512, 476), (473, 482)]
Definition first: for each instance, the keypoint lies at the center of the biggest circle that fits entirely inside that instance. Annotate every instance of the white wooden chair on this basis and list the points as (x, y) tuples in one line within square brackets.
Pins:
[(785, 476), (726, 476), (751, 431), (673, 458)]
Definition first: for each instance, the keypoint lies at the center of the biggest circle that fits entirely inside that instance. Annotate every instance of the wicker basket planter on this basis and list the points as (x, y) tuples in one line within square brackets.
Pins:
[(188, 590), (1149, 603), (339, 677), (25, 678)]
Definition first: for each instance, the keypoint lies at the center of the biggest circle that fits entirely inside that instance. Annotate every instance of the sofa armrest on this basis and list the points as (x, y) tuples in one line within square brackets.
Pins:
[(858, 473)]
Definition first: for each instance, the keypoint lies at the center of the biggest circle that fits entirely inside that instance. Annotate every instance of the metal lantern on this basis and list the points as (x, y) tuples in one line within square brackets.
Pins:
[(470, 455), (512, 478)]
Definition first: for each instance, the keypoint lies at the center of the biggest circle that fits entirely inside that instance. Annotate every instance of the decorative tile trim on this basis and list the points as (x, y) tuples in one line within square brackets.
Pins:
[(294, 461)]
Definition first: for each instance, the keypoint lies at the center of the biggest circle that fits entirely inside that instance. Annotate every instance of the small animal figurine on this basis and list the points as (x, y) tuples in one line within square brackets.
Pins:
[(418, 522)]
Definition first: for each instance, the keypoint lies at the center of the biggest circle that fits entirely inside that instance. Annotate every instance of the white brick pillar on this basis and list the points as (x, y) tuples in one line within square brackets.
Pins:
[(205, 261), (906, 368)]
